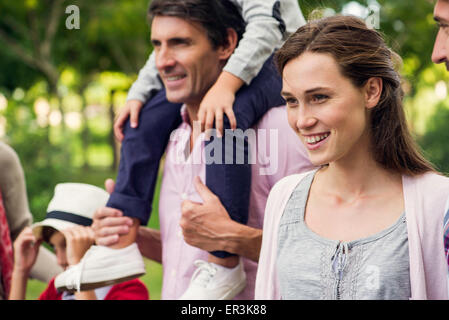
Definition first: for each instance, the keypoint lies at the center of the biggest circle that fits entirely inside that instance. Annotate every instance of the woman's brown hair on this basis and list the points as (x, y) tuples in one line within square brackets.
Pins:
[(361, 54)]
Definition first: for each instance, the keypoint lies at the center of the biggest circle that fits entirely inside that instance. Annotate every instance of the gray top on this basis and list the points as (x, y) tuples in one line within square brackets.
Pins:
[(18, 215), (312, 267), (13, 189), (268, 24)]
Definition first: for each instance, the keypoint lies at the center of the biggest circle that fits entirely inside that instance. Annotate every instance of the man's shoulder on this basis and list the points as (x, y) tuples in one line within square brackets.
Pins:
[(275, 118)]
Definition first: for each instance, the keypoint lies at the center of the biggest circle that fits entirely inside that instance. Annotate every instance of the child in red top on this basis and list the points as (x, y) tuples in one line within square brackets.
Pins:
[(67, 229), (129, 290)]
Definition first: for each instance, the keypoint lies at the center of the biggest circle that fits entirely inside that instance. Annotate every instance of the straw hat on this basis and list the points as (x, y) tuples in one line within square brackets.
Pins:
[(72, 204)]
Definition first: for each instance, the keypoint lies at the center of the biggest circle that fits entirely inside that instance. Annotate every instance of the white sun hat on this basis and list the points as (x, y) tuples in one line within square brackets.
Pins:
[(72, 204)]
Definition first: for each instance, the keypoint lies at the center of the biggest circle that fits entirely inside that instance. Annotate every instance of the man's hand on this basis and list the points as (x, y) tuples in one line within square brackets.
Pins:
[(132, 110), (207, 225), (78, 240), (26, 249), (108, 224)]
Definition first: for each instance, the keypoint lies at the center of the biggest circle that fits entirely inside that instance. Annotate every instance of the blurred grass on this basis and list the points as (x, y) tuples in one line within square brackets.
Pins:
[(153, 277)]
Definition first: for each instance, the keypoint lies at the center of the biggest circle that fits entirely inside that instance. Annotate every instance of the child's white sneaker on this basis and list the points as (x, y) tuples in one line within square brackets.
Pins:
[(102, 266), (214, 282)]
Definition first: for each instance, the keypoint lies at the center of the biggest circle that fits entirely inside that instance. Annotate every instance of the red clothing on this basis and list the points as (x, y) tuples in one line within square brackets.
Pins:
[(6, 251), (128, 290)]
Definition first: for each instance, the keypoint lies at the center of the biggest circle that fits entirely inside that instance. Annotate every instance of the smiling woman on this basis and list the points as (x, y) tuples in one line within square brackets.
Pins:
[(364, 225), (364, 64)]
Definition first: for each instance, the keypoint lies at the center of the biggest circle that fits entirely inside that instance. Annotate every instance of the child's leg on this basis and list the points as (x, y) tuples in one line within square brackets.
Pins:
[(141, 152), (232, 182)]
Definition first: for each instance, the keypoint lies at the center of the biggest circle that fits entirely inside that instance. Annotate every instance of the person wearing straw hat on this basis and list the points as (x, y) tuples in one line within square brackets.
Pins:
[(67, 229)]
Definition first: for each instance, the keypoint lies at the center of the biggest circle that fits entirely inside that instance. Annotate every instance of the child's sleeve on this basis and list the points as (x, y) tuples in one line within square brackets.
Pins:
[(147, 82), (268, 24)]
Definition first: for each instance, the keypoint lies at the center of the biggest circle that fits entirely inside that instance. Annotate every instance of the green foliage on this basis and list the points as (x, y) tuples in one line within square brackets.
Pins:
[(40, 159), (436, 139), (112, 44), (84, 73)]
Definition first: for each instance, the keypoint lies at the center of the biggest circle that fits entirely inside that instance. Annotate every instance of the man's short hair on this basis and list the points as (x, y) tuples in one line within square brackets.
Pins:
[(215, 16)]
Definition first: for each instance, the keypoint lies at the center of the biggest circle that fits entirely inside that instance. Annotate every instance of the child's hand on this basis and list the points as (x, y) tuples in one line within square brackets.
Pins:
[(132, 110), (215, 103), (78, 240), (218, 100), (26, 249)]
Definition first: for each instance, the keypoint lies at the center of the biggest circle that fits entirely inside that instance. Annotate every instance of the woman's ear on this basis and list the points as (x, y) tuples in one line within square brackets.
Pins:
[(373, 91), (232, 41)]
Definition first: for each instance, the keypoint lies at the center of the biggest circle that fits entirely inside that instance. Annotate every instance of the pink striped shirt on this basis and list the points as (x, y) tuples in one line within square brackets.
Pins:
[(285, 155)]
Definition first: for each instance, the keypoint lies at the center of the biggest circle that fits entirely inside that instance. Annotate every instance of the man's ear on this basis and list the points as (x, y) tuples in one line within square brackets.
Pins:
[(373, 91), (227, 50)]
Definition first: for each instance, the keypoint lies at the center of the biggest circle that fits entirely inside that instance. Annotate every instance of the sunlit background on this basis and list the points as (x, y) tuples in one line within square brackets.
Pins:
[(60, 89)]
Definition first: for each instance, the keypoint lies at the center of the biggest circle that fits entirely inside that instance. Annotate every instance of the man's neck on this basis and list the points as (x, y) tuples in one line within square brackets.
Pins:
[(192, 111)]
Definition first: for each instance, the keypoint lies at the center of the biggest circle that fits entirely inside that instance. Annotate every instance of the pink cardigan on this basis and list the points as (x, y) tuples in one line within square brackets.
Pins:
[(424, 196)]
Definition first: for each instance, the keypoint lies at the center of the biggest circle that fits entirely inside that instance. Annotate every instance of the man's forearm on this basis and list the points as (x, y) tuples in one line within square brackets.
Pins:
[(149, 242), (244, 241)]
